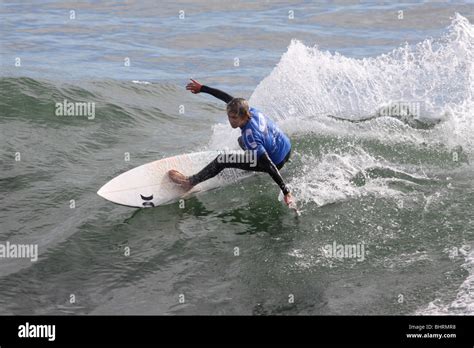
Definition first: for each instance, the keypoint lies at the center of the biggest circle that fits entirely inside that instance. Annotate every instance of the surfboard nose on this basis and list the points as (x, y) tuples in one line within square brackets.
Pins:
[(107, 192), (102, 191)]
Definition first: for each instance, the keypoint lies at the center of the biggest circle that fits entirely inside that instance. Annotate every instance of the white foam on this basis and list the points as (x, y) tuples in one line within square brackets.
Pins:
[(138, 82), (463, 304), (328, 179), (308, 84)]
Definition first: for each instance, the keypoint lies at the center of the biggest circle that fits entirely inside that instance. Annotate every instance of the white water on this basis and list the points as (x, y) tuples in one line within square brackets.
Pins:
[(308, 84), (437, 73)]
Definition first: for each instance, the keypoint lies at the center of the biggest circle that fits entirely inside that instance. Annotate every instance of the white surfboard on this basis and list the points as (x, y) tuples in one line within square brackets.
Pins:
[(149, 185)]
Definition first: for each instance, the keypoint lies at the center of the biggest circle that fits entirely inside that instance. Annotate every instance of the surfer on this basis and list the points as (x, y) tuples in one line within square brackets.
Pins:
[(259, 134)]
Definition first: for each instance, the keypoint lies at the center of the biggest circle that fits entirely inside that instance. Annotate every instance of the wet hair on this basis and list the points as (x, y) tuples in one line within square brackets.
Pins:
[(238, 106)]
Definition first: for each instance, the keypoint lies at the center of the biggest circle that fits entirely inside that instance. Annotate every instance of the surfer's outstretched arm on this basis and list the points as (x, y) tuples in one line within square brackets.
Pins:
[(217, 93), (196, 87)]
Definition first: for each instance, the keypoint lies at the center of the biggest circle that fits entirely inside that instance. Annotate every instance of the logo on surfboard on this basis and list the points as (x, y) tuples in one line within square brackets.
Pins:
[(147, 200)]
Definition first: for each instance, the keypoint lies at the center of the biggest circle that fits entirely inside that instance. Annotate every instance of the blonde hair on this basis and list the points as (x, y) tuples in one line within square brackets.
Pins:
[(238, 106)]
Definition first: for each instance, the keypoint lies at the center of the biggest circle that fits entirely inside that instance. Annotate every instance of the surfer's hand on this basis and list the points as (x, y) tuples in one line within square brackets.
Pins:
[(194, 86), (289, 199)]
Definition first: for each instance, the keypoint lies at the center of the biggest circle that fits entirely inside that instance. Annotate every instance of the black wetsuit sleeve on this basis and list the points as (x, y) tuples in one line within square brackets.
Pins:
[(217, 93), (269, 167)]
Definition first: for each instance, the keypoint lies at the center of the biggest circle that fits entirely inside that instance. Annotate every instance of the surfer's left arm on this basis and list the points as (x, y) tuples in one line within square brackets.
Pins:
[(266, 163)]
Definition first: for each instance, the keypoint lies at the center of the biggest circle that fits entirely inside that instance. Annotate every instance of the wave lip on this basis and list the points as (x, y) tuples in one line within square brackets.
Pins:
[(436, 75), (436, 71)]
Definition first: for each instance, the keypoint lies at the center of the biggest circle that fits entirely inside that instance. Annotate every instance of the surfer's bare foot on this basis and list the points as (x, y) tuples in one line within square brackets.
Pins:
[(180, 179)]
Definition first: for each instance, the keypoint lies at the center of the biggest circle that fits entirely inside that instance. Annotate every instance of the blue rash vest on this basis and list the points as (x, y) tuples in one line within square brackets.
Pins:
[(260, 133)]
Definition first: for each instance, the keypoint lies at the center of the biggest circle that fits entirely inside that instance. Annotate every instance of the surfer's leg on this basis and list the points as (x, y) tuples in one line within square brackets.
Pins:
[(244, 161), (239, 161)]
